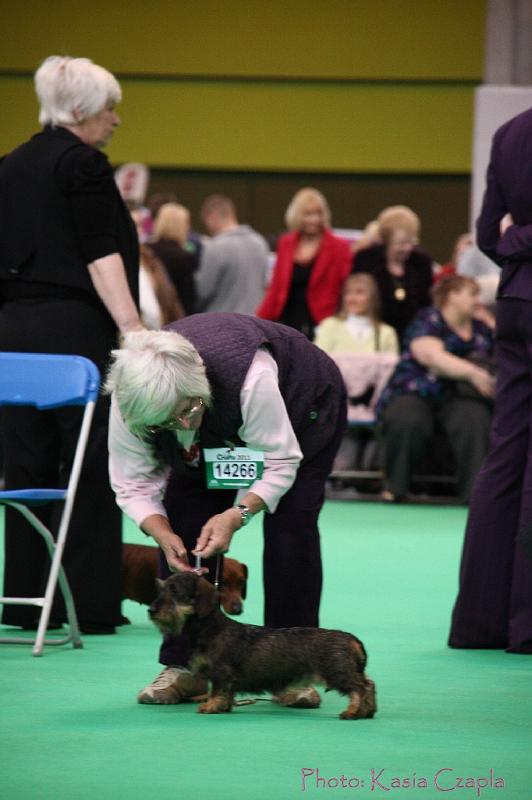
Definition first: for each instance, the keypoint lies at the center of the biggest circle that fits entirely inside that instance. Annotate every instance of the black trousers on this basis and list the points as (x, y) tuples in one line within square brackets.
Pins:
[(292, 570), (408, 429), (38, 450)]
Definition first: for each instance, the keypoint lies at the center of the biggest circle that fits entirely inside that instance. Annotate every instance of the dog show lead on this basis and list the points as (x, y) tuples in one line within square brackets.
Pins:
[(213, 419)]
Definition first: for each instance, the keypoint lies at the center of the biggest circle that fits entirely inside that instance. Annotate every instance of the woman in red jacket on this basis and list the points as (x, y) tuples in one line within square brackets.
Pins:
[(310, 269)]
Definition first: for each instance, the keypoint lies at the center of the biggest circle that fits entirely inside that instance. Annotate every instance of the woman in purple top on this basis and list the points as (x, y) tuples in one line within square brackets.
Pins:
[(438, 383), (494, 604)]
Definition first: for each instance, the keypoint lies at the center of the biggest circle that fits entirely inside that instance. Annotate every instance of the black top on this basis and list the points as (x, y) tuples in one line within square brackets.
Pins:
[(180, 265), (401, 298), (296, 313), (60, 209)]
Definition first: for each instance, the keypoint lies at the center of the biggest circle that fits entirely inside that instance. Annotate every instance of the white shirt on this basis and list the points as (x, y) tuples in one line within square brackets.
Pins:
[(150, 310), (139, 480), (360, 328)]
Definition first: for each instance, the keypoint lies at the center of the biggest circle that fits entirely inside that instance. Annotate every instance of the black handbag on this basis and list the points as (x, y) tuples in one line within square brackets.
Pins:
[(465, 389)]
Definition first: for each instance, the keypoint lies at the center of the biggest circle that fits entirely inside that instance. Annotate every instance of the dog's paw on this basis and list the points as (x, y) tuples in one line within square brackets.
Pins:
[(348, 715), (360, 714), (215, 705)]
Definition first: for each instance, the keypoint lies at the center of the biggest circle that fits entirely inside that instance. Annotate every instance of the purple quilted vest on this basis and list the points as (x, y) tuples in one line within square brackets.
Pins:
[(309, 380)]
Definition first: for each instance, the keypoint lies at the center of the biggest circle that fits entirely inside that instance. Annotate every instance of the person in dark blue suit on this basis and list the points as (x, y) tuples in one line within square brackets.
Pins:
[(494, 604)]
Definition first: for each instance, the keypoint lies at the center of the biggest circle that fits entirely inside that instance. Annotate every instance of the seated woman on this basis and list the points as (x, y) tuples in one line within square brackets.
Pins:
[(403, 272), (439, 383), (357, 327), (365, 350)]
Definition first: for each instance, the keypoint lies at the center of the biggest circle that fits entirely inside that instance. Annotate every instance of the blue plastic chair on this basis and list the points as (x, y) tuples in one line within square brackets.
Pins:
[(45, 382)]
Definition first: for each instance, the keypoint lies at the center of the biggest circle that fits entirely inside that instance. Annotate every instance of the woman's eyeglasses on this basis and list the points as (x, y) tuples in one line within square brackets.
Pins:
[(179, 420)]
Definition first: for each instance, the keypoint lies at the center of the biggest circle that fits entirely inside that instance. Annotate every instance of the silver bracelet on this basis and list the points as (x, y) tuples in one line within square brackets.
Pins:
[(245, 513)]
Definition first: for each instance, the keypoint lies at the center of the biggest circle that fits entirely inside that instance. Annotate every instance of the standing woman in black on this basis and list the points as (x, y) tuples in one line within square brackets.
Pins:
[(68, 284)]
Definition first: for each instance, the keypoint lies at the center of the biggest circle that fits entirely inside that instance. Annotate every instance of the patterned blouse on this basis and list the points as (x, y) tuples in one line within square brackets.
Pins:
[(411, 377)]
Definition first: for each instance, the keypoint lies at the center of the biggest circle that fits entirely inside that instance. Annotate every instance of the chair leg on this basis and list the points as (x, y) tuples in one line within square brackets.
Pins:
[(56, 576), (72, 619)]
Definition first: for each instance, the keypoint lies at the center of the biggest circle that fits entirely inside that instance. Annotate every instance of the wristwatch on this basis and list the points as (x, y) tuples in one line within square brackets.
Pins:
[(245, 513)]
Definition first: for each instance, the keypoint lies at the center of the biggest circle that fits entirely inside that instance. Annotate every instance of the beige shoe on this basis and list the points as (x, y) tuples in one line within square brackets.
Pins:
[(172, 685), (306, 697)]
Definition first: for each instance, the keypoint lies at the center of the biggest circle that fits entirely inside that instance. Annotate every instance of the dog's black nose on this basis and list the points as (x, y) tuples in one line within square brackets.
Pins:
[(236, 609)]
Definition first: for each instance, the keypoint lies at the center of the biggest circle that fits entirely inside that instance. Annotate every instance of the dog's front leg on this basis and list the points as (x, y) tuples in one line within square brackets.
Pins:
[(219, 701)]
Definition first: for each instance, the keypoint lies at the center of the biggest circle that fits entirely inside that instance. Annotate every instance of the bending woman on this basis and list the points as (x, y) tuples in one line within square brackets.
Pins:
[(220, 380)]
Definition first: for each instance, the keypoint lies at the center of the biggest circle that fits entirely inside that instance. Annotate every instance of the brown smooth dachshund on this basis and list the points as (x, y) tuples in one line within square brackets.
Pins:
[(140, 566)]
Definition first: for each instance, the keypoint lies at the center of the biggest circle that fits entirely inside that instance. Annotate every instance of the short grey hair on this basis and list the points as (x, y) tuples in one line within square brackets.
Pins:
[(70, 90), (152, 373), (219, 204)]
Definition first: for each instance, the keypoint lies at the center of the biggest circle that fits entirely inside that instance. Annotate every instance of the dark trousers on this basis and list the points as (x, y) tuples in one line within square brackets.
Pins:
[(38, 450), (494, 604), (409, 426), (292, 569)]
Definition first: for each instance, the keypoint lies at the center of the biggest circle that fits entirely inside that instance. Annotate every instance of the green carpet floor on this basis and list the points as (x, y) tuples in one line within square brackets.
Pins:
[(70, 728)]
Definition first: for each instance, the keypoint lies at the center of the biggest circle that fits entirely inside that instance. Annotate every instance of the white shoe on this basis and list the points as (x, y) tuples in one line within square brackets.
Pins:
[(172, 685)]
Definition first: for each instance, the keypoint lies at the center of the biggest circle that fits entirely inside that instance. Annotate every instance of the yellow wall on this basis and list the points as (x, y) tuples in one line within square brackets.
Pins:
[(314, 85)]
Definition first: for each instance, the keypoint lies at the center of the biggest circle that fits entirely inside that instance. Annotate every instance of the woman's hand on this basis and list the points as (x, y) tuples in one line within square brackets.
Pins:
[(484, 315), (108, 277), (175, 552), (430, 352), (483, 382), (506, 222), (216, 534)]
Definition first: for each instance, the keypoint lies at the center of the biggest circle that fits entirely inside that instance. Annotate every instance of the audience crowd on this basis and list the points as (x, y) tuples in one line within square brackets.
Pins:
[(393, 319), (375, 304)]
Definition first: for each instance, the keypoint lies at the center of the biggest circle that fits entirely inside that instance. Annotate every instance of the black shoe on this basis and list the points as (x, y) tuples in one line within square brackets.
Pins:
[(53, 625), (96, 628)]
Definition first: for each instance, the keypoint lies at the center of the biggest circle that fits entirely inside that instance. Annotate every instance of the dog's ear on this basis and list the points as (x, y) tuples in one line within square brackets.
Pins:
[(159, 584), (245, 586), (206, 598)]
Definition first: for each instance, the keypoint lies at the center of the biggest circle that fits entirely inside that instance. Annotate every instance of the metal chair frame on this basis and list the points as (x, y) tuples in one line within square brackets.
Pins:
[(49, 381)]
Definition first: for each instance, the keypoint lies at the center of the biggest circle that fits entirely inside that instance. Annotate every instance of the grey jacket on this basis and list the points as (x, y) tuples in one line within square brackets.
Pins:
[(232, 272)]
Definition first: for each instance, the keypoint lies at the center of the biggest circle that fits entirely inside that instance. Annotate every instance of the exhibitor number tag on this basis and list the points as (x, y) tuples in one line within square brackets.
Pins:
[(235, 468)]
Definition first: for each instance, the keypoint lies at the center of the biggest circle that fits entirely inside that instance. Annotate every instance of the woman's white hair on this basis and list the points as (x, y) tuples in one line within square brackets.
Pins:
[(70, 90), (152, 373)]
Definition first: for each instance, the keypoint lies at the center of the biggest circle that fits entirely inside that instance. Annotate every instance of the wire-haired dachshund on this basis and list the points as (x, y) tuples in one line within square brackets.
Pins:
[(239, 658)]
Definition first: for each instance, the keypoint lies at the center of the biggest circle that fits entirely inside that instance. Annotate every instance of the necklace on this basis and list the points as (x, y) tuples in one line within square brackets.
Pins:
[(397, 276), (399, 291)]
